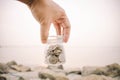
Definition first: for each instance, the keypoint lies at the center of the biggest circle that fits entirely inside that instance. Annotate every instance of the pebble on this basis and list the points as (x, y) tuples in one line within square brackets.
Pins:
[(112, 70), (109, 72), (2, 78), (96, 77), (20, 68), (74, 71), (46, 76), (11, 63), (3, 68)]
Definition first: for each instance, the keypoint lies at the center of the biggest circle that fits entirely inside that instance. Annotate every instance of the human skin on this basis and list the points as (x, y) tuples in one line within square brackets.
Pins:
[(47, 12)]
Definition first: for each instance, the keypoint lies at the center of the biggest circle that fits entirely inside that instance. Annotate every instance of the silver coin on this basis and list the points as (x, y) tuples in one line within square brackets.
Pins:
[(53, 59)]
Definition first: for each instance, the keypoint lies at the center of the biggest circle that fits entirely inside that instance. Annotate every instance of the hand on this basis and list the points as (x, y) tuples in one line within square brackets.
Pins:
[(47, 12)]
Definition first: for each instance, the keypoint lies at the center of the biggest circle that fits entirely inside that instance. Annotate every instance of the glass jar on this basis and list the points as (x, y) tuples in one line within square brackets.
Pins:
[(54, 52)]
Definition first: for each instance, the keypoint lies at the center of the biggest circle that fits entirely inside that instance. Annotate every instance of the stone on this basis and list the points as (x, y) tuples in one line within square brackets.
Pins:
[(108, 72), (11, 63), (113, 70), (21, 78), (39, 68), (27, 75), (73, 71), (53, 74), (73, 76), (46, 76), (100, 71), (96, 77), (61, 78), (10, 77), (3, 68), (20, 68), (2, 78), (117, 78), (87, 70)]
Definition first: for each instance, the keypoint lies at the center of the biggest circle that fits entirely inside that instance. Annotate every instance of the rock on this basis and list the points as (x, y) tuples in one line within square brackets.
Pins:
[(27, 75), (100, 71), (52, 74), (20, 68), (73, 76), (87, 70), (20, 72), (11, 63), (39, 68), (3, 68), (21, 78), (113, 70), (117, 78), (12, 71), (2, 78), (73, 71), (10, 77), (46, 76), (61, 78), (96, 77)]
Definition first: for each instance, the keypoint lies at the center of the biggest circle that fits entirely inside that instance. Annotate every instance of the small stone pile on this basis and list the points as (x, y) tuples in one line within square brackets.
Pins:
[(12, 67), (112, 70), (14, 71)]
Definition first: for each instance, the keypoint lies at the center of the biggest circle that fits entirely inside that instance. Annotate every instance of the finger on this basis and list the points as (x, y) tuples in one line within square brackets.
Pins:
[(58, 28), (66, 29), (45, 31)]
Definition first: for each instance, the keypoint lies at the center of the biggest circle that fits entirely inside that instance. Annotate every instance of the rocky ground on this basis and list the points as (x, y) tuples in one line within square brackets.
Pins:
[(14, 71)]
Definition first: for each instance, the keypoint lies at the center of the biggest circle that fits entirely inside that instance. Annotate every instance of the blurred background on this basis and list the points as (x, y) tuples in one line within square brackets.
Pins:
[(94, 39)]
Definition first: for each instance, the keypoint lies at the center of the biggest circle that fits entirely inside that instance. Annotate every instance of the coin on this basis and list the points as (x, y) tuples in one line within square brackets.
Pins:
[(54, 54), (53, 59)]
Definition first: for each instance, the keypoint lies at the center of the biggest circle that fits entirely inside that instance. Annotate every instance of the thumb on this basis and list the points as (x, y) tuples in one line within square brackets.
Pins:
[(45, 31)]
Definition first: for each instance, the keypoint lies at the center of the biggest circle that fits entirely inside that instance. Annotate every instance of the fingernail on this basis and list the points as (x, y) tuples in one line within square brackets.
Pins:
[(65, 40), (43, 41)]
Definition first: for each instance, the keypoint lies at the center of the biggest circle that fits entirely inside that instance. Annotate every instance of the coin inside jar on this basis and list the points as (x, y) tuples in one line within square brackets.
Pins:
[(53, 59), (53, 54), (54, 50), (57, 51)]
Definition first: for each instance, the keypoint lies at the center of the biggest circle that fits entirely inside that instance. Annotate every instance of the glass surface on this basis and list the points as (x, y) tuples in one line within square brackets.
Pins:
[(54, 52)]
